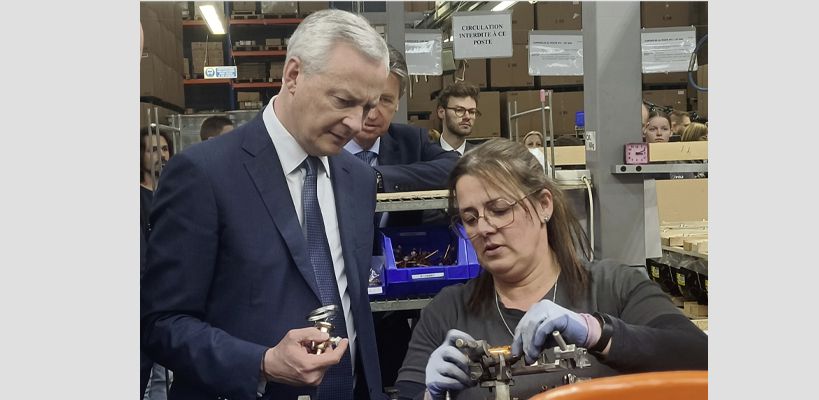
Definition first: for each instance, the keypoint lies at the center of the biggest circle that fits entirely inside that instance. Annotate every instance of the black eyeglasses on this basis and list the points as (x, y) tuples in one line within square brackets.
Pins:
[(498, 213), (460, 111)]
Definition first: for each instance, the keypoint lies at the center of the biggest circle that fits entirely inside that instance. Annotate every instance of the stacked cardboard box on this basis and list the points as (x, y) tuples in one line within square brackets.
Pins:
[(419, 6), (559, 15), (162, 66), (308, 7), (662, 14), (473, 71), (206, 54), (674, 98), (523, 21), (243, 7), (273, 42), (488, 125), (249, 100), (420, 91), (702, 97), (565, 105), (252, 71), (280, 7), (162, 112), (512, 71), (276, 71)]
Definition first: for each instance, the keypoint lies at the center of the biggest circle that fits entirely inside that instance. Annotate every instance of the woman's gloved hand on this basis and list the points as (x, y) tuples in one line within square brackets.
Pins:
[(447, 368), (534, 331)]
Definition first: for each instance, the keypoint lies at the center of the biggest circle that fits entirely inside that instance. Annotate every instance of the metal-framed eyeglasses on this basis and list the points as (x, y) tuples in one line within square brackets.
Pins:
[(498, 213), (460, 111)]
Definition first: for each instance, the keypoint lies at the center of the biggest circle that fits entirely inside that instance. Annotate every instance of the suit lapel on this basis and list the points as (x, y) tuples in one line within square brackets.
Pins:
[(344, 186), (388, 152), (265, 170)]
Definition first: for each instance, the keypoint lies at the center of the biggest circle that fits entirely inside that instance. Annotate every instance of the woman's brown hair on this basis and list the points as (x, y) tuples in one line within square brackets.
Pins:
[(512, 169)]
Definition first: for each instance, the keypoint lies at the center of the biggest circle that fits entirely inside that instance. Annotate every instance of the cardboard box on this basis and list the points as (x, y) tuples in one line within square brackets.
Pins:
[(473, 71), (273, 42), (308, 7), (702, 97), (523, 21), (419, 6), (665, 78), (661, 14), (674, 98), (276, 71), (252, 71), (559, 15), (151, 76), (516, 102), (245, 7), (512, 71), (280, 7), (248, 96), (421, 123), (488, 125), (548, 81), (420, 90), (162, 112)]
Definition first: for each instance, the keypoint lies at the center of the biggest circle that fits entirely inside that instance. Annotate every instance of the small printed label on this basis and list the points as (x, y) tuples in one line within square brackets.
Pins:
[(680, 279), (591, 140), (655, 272), (428, 276), (223, 72), (375, 290)]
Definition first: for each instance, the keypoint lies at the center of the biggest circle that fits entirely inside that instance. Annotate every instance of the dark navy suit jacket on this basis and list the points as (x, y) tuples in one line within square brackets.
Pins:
[(408, 162), (228, 271)]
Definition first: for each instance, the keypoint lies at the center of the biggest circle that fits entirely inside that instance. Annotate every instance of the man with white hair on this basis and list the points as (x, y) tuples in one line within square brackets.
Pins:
[(253, 231)]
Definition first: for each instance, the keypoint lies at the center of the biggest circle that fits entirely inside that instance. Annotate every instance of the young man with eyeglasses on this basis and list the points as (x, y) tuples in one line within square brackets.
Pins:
[(458, 109)]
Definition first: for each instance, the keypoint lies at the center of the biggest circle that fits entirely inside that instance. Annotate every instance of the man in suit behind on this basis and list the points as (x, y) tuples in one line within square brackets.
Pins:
[(402, 156), (457, 108), (248, 229)]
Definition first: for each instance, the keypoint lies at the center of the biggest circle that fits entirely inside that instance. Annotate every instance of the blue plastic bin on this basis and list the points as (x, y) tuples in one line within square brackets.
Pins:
[(418, 281), (579, 118)]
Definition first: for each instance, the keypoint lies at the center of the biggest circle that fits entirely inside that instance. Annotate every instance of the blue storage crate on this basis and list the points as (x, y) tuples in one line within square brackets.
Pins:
[(579, 118), (418, 281)]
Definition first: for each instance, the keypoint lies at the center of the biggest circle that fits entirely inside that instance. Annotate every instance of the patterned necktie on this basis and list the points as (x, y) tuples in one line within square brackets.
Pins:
[(366, 156), (338, 381)]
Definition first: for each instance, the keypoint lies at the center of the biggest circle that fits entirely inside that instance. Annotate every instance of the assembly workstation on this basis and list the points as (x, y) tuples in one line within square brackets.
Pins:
[(639, 201)]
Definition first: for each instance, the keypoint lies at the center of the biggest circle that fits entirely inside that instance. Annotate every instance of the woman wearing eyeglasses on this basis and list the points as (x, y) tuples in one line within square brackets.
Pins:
[(537, 279)]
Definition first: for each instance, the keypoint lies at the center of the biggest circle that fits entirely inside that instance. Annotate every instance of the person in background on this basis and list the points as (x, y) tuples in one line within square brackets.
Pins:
[(695, 132), (537, 278), (457, 108), (256, 229), (401, 154), (215, 126), (405, 160), (658, 127), (533, 139), (679, 121), (153, 157)]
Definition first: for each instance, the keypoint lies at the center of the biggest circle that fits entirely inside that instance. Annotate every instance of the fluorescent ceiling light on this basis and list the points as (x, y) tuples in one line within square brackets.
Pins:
[(503, 5), (212, 18)]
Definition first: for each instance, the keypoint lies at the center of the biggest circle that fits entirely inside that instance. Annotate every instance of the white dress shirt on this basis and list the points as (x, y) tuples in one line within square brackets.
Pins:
[(291, 156), (447, 147), (354, 149)]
